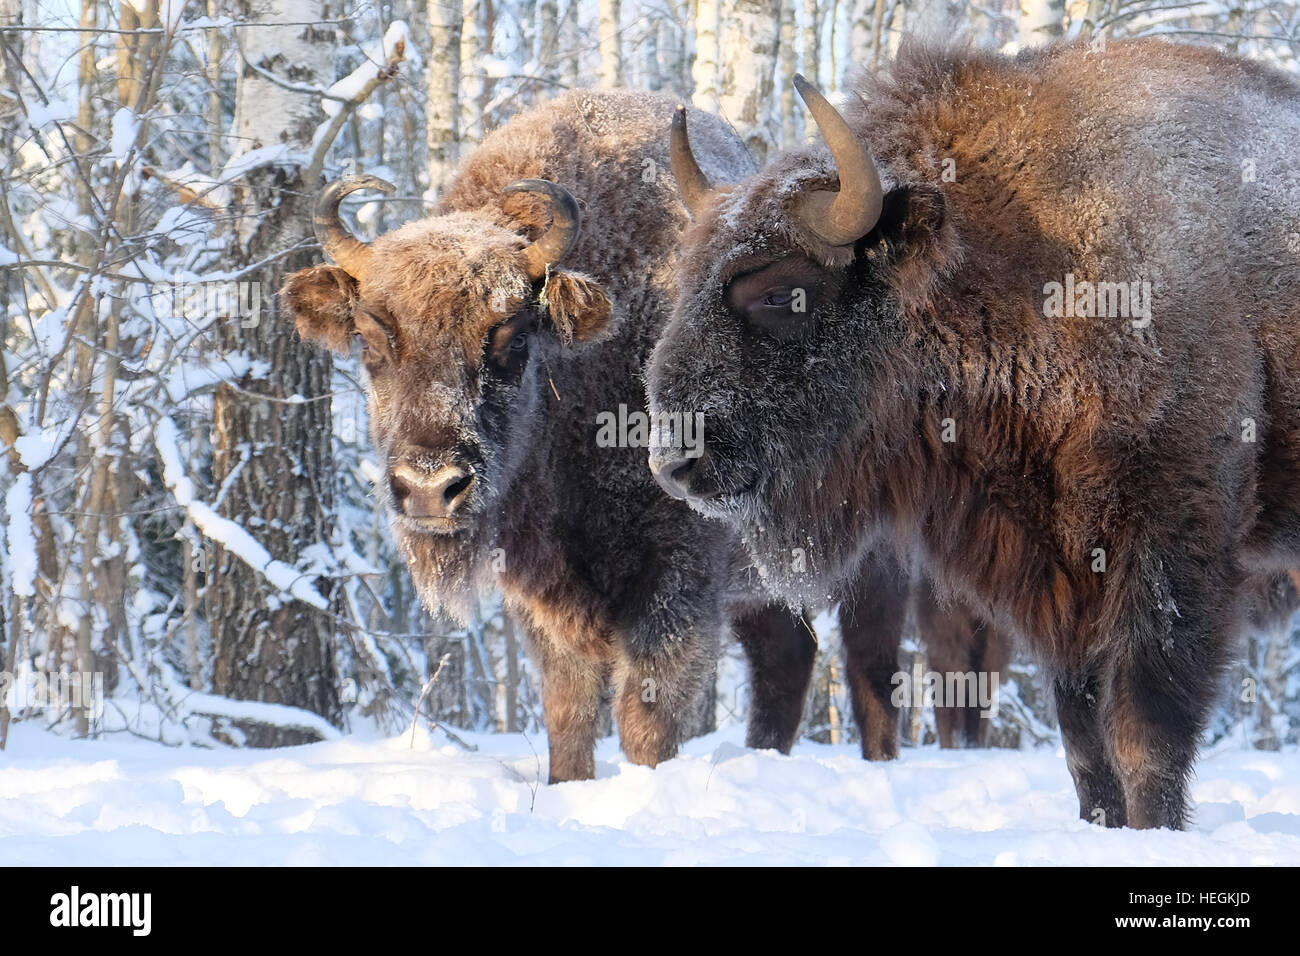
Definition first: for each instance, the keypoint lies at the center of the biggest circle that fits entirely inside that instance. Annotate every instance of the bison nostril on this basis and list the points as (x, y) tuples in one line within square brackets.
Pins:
[(401, 490), (672, 473), (455, 485)]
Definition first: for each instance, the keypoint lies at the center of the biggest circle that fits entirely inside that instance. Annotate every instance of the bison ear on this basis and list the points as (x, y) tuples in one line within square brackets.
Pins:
[(911, 218), (321, 301), (579, 308)]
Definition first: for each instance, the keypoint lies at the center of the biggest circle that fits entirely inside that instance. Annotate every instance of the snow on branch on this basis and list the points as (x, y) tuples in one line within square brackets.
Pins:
[(354, 89), (225, 532)]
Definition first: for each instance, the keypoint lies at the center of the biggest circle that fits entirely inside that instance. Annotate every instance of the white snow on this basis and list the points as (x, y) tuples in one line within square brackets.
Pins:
[(35, 448), (125, 130), (357, 801), (244, 163)]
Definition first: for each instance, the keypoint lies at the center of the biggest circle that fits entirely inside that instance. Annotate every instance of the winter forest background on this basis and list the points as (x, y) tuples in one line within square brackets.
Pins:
[(186, 487)]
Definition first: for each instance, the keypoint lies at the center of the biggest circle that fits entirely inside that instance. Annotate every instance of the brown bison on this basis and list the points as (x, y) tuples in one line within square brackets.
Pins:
[(1049, 338)]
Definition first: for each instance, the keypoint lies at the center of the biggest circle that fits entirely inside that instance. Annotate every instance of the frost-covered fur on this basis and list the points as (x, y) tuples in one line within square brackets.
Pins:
[(613, 581), (1101, 493)]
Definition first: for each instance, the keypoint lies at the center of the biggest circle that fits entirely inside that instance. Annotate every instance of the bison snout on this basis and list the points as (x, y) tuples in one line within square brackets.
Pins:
[(420, 494)]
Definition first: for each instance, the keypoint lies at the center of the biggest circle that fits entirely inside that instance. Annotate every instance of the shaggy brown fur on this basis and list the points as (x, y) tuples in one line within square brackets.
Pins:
[(1106, 488)]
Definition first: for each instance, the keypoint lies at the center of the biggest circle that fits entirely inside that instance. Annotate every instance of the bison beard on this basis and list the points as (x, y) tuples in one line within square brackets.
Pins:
[(1087, 481)]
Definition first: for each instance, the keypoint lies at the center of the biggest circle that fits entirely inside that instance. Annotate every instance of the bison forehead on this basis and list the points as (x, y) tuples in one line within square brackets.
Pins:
[(448, 278)]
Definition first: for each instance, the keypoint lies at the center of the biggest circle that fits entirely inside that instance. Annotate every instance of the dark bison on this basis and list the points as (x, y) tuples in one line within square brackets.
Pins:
[(1049, 338)]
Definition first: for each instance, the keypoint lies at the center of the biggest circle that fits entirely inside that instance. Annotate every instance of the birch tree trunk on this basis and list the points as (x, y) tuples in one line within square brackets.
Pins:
[(570, 46), (860, 33), (895, 27), (811, 41), (611, 46), (274, 456), (791, 116), (85, 320), (548, 39), (878, 33), (708, 21), (748, 54), (937, 19), (672, 50), (215, 51), (442, 129), (473, 39)]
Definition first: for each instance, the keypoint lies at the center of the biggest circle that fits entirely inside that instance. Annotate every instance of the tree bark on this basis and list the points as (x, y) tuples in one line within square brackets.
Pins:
[(611, 46), (791, 115), (473, 39), (1040, 21), (811, 41), (266, 645)]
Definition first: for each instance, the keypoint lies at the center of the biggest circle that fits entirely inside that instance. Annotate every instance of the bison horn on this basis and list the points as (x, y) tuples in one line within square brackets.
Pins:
[(841, 216), (691, 181), (557, 241), (352, 255)]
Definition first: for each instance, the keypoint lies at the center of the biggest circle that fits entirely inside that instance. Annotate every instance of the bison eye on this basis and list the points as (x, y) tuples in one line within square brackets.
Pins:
[(779, 299), (507, 344)]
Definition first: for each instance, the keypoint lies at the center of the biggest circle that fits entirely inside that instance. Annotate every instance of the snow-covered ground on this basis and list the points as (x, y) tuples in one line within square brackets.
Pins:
[(358, 801)]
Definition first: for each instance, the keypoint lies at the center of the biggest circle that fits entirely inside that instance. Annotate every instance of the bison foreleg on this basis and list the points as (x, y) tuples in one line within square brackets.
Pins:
[(1160, 700), (572, 684), (656, 684)]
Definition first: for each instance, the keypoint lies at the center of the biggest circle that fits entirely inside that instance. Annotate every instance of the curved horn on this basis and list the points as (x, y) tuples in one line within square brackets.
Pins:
[(691, 181), (557, 241), (351, 254), (845, 215)]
